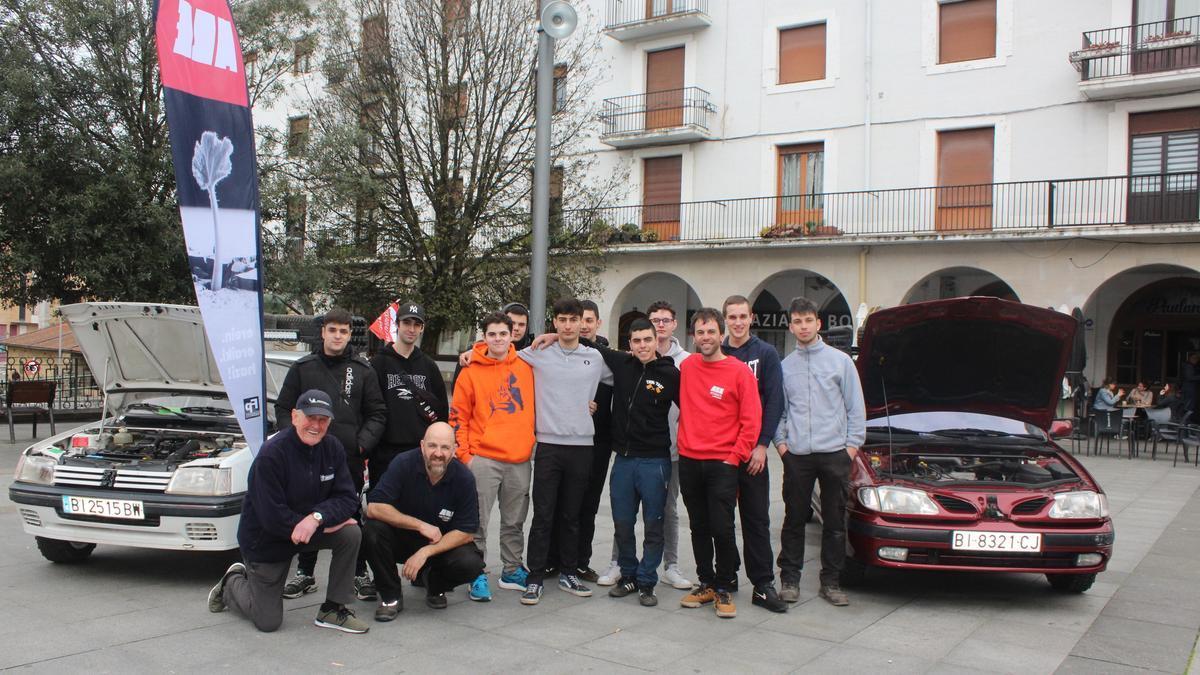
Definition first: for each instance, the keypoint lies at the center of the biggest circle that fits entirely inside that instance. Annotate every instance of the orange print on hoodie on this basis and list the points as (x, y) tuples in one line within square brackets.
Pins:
[(492, 410)]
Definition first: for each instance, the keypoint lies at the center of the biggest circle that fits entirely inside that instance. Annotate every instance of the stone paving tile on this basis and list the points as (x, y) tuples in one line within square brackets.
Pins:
[(1004, 658), (1144, 611), (836, 661), (1131, 652), (1076, 665)]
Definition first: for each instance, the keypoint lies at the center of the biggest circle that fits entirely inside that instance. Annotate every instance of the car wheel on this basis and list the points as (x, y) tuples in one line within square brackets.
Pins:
[(59, 551), (1071, 583), (854, 572)]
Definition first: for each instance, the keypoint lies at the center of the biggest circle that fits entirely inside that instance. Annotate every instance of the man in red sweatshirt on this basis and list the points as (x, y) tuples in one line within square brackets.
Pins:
[(720, 417)]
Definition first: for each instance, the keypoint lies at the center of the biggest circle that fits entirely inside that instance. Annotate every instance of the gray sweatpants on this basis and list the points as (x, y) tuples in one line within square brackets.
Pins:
[(259, 594), (670, 521), (510, 484)]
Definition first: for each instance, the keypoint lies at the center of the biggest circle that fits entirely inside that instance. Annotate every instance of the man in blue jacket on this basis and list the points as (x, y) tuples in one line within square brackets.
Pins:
[(754, 484), (300, 497)]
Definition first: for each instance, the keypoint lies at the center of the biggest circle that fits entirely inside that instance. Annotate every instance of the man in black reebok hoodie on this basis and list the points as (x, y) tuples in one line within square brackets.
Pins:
[(359, 411), (413, 390)]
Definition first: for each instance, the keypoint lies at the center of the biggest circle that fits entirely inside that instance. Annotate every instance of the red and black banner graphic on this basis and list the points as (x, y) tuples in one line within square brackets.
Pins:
[(212, 143)]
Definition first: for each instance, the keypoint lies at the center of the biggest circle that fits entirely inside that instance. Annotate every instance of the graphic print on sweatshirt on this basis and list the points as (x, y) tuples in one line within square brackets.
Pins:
[(717, 392), (402, 384), (507, 398)]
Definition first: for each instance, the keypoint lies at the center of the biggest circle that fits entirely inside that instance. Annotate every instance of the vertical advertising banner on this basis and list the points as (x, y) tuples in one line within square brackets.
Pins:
[(212, 142)]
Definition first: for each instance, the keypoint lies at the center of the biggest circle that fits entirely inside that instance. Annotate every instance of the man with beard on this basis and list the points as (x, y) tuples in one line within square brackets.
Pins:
[(350, 383), (423, 515), (720, 416)]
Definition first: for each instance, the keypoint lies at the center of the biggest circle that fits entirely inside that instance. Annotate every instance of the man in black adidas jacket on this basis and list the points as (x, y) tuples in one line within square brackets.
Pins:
[(413, 390), (645, 385), (359, 419)]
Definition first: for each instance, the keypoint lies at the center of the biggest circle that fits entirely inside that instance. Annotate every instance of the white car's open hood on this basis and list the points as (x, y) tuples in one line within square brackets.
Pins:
[(139, 348)]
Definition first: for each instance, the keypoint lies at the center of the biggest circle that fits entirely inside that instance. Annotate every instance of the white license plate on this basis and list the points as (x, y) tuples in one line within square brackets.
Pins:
[(1011, 542), (125, 509)]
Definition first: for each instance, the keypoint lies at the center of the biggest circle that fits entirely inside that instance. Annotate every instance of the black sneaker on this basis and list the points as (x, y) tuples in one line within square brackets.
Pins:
[(532, 594), (389, 610), (623, 587), (570, 583), (299, 585), (766, 597), (647, 597), (436, 600), (587, 574), (364, 587)]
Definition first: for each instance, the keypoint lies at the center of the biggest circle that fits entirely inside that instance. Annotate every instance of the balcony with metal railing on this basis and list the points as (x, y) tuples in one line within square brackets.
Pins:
[(1159, 57), (657, 118), (1126, 204), (640, 19)]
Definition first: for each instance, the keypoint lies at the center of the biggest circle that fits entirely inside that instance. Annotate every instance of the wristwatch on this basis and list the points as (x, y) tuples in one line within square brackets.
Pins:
[(318, 517)]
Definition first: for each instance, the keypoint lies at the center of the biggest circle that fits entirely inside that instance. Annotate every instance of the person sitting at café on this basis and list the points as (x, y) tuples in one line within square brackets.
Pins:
[(1141, 396), (1108, 397), (1168, 397)]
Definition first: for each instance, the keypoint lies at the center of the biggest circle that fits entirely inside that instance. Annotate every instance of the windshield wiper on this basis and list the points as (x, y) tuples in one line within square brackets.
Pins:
[(896, 430), (207, 410), (160, 409), (979, 433)]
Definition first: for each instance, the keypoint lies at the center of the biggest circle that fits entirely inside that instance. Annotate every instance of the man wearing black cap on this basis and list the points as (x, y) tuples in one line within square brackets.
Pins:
[(299, 497), (412, 387), (350, 383)]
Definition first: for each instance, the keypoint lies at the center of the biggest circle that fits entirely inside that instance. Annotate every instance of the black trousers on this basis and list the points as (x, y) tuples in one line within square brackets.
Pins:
[(391, 546), (800, 473), (754, 507), (601, 453), (709, 489), (307, 560), (560, 479)]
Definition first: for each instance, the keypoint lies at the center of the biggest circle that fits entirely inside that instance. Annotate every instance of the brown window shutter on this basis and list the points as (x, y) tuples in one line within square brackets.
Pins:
[(965, 157), (966, 30), (664, 88), (661, 188), (802, 54), (1183, 119)]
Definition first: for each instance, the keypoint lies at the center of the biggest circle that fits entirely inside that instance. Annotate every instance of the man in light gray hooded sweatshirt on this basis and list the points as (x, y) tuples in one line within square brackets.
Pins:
[(824, 419)]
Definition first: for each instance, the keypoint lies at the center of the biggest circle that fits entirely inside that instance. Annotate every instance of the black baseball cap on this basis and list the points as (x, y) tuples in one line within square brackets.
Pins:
[(315, 402), (410, 310)]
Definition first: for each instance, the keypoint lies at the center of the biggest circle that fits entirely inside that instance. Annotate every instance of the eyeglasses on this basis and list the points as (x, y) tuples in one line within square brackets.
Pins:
[(661, 321)]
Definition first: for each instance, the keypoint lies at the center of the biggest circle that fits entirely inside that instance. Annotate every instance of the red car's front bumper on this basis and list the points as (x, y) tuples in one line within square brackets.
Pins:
[(929, 545)]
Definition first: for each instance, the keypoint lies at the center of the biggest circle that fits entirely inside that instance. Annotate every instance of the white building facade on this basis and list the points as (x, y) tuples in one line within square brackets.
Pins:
[(864, 152)]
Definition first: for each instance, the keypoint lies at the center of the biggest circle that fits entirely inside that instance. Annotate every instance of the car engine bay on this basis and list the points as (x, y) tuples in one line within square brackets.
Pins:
[(1029, 468), (156, 449)]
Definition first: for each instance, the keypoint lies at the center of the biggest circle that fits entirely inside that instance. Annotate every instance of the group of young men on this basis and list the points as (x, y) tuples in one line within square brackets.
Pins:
[(543, 418)]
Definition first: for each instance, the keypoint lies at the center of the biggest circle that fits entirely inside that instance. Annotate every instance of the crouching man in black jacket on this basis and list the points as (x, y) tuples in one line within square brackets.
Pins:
[(300, 498)]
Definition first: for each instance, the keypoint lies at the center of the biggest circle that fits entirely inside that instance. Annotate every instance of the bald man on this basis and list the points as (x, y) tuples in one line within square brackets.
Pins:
[(423, 516)]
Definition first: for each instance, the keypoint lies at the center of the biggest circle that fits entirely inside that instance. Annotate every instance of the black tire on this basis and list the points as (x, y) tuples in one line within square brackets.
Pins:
[(854, 572), (59, 551), (1071, 583)]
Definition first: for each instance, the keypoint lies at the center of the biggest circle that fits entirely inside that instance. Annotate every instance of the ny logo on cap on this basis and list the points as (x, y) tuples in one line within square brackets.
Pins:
[(414, 309)]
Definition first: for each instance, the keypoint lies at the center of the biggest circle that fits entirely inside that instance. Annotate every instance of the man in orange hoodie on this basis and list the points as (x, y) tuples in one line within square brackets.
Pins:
[(492, 415)]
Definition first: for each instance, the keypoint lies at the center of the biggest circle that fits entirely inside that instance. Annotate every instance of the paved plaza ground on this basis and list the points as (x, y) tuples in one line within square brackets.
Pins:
[(130, 610)]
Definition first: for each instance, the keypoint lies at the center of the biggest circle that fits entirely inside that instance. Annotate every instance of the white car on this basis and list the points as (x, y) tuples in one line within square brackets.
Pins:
[(166, 467)]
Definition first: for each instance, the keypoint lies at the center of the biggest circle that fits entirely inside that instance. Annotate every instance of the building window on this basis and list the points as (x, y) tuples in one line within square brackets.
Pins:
[(296, 218), (801, 171), (664, 88), (662, 182), (250, 63), (966, 30), (802, 54), (964, 167), (556, 192), (297, 135), (374, 37), (560, 87), (1164, 158), (302, 50), (371, 123), (457, 10)]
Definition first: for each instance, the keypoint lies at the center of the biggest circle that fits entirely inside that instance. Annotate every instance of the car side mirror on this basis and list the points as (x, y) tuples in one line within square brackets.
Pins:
[(1061, 428)]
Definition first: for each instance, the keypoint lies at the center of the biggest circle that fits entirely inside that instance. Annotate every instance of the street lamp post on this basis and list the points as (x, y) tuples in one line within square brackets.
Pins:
[(558, 20)]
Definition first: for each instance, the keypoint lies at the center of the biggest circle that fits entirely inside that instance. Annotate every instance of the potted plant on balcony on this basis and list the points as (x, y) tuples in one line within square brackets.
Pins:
[(1096, 50), (1175, 38)]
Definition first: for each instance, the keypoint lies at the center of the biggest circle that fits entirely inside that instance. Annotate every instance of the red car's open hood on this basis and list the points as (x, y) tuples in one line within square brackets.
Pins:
[(973, 354)]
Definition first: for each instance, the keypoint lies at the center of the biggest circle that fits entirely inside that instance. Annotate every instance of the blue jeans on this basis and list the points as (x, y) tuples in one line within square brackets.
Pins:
[(634, 480)]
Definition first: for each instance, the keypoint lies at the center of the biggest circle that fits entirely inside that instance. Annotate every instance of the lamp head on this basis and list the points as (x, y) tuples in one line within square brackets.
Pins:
[(559, 19)]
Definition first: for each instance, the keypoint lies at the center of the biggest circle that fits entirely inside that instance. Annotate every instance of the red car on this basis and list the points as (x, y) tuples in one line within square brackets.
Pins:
[(959, 470)]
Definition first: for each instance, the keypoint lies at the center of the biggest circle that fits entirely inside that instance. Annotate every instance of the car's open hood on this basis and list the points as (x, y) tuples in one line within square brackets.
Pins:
[(973, 354), (146, 348)]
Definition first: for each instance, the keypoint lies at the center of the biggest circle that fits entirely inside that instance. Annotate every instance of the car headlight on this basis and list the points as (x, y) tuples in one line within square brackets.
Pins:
[(1082, 504), (208, 481), (35, 469), (898, 500)]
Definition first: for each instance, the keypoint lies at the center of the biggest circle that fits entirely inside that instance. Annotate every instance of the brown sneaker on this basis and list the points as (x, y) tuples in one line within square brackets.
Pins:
[(835, 595), (700, 595), (725, 607)]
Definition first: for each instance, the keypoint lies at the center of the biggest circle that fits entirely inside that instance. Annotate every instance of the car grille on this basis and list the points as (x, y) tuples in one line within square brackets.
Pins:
[(118, 479), (955, 505), (201, 531), (1029, 507), (917, 556), (31, 518)]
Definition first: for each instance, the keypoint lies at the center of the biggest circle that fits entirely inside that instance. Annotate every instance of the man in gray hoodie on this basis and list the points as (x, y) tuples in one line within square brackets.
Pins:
[(824, 420)]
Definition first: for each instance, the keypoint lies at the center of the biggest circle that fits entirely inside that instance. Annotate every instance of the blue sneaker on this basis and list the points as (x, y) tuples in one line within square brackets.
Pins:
[(479, 589), (516, 580)]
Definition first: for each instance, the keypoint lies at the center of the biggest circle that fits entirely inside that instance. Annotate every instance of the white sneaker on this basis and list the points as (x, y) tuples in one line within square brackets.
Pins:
[(672, 577), (611, 576)]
